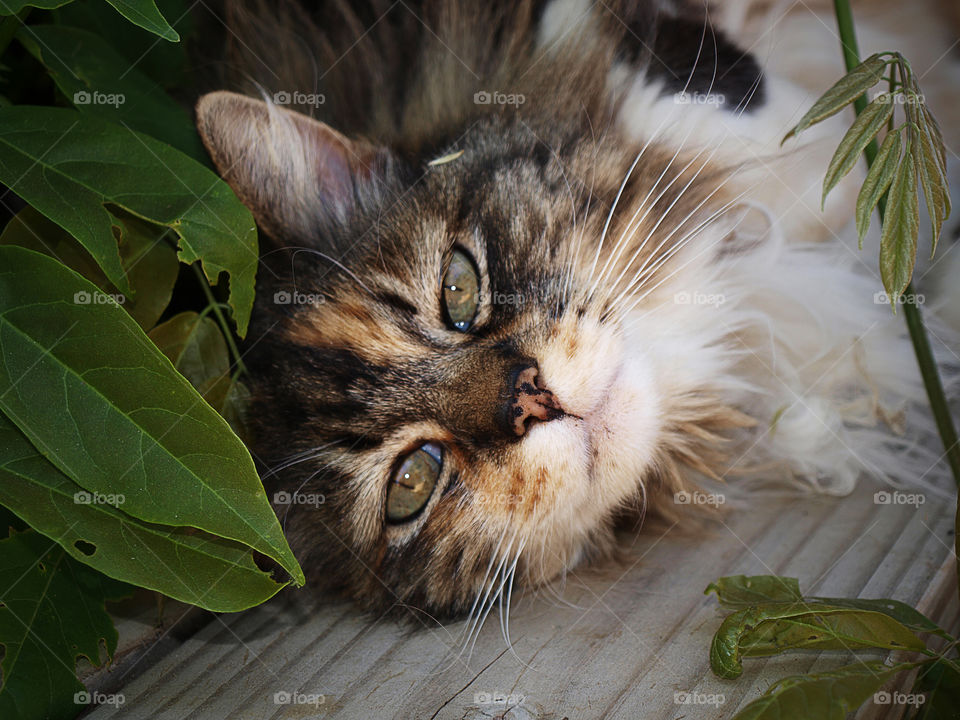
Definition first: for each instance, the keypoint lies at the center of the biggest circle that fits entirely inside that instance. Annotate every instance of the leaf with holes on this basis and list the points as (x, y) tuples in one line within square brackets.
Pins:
[(188, 565), (52, 614), (98, 400), (70, 167)]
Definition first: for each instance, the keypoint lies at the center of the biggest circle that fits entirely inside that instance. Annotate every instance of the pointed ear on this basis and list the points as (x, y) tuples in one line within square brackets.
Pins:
[(293, 172)]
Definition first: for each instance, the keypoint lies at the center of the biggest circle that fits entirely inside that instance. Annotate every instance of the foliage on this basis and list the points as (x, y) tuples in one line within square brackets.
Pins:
[(771, 616), (126, 278)]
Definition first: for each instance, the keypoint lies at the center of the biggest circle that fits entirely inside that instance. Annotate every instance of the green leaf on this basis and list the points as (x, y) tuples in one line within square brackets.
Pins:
[(191, 566), (903, 613), (860, 134), (851, 86), (772, 628), (149, 262), (102, 403), (99, 82), (145, 14), (931, 169), (69, 167), (901, 225), (195, 346), (12, 7), (52, 613), (877, 182), (939, 681), (744, 590), (821, 696), (164, 63)]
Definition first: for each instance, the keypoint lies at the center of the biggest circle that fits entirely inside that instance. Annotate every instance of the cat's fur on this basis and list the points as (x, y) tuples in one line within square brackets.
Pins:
[(665, 260)]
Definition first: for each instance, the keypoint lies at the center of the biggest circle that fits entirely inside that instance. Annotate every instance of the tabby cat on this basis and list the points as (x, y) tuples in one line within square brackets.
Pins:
[(532, 269)]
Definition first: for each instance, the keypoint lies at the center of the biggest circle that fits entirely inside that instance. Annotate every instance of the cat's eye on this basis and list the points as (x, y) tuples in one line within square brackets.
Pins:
[(413, 482), (461, 291)]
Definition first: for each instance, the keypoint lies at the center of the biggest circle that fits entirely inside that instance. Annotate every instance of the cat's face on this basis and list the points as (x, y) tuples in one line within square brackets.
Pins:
[(443, 388)]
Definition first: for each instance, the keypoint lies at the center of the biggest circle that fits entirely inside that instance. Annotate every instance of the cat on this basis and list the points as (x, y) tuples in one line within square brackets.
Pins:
[(532, 269)]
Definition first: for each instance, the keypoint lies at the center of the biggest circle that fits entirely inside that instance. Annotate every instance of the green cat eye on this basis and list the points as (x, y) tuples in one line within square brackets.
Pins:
[(413, 482), (461, 291)]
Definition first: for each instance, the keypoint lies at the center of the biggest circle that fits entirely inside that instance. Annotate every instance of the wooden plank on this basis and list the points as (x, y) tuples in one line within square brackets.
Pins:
[(626, 641)]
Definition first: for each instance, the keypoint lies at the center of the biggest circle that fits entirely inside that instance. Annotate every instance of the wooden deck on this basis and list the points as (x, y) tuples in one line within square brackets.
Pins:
[(622, 643)]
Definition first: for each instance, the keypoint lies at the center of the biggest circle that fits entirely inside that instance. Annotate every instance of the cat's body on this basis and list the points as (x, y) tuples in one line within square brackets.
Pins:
[(658, 298)]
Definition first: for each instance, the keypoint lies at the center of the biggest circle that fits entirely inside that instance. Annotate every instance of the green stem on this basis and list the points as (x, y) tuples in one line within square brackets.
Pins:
[(213, 303), (911, 311)]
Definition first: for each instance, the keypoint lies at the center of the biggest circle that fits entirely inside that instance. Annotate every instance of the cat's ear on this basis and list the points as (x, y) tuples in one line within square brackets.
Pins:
[(293, 172)]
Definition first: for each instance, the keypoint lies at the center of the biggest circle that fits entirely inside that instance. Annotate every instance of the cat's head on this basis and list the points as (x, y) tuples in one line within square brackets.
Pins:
[(446, 390)]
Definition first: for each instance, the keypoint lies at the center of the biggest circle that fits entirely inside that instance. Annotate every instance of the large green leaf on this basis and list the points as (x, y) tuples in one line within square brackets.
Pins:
[(51, 613), (901, 225), (188, 565), (821, 696), (98, 81), (149, 262), (69, 166), (102, 403), (860, 134), (771, 628)]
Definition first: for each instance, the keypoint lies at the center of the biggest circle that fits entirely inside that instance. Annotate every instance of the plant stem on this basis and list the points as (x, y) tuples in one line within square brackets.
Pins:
[(224, 325), (911, 311)]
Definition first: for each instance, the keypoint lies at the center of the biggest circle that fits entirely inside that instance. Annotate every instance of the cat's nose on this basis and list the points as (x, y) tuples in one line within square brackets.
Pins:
[(530, 401)]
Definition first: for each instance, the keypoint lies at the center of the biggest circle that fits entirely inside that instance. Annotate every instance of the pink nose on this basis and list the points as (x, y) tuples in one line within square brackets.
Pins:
[(532, 402)]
